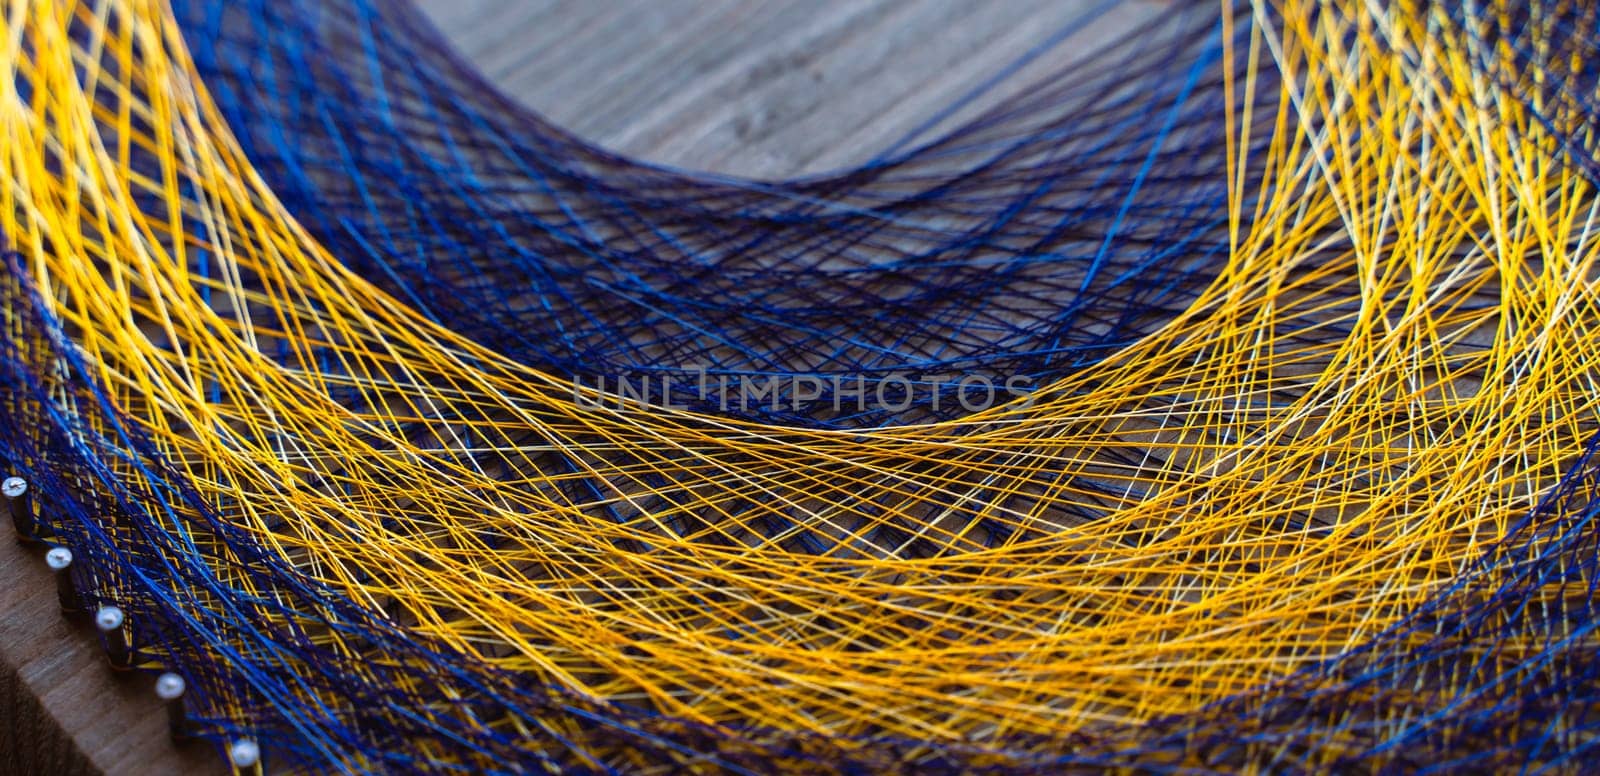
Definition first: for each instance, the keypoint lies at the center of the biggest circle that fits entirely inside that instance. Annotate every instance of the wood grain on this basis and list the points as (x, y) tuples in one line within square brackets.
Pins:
[(767, 89), (64, 710)]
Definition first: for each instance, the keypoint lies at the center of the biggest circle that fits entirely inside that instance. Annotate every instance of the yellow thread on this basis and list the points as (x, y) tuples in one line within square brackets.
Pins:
[(1294, 493)]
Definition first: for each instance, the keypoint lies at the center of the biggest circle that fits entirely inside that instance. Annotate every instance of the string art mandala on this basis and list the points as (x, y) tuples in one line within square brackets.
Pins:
[(314, 340)]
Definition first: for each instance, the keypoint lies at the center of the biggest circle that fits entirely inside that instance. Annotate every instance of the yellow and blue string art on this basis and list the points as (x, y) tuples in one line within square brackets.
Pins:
[(1303, 294)]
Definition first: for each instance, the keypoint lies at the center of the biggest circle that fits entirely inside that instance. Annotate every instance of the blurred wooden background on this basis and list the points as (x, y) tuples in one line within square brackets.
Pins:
[(767, 89)]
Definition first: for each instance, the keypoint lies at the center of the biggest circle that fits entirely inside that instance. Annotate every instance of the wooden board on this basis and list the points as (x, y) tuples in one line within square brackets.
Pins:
[(767, 89), (64, 710)]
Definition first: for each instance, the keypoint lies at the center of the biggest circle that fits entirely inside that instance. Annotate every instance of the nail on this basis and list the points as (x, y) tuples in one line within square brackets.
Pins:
[(246, 756), (18, 500), (169, 688), (111, 622), (59, 559)]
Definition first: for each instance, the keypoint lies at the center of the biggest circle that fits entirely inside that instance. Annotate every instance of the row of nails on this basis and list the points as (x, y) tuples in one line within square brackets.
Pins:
[(112, 624)]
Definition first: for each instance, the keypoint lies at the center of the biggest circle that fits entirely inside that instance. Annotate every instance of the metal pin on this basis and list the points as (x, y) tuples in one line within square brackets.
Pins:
[(59, 559), (110, 621), (20, 502), (169, 688), (246, 756)]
